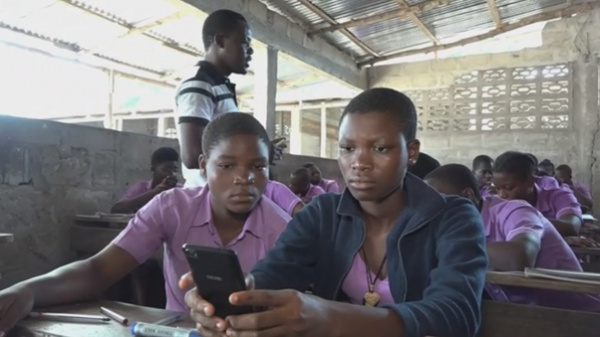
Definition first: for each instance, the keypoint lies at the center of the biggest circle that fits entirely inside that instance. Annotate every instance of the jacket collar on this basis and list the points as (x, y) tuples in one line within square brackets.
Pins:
[(424, 202)]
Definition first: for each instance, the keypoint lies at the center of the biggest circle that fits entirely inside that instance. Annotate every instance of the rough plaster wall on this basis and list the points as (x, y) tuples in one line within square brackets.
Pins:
[(51, 171), (574, 40)]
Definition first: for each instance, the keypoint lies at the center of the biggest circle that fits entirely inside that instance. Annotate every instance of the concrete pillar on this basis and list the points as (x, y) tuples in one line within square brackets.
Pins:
[(296, 131), (265, 89), (586, 124), (323, 137), (109, 119), (161, 126)]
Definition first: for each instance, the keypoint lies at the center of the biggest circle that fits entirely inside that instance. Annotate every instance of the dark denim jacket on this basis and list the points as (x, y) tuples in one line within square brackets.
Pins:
[(436, 258)]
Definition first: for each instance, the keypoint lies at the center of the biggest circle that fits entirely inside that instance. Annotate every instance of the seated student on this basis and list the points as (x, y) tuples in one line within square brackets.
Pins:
[(564, 175), (283, 197), (316, 178), (414, 258), (229, 213), (518, 236), (546, 168), (514, 179), (301, 186), (164, 169), (423, 165), (482, 169), (541, 178)]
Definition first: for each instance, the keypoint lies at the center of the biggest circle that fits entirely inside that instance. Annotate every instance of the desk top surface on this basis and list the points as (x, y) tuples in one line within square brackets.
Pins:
[(518, 279), (104, 218), (30, 327)]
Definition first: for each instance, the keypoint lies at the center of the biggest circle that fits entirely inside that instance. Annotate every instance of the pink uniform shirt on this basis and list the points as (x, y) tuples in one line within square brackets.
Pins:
[(547, 182), (137, 189), (313, 191), (329, 186), (581, 189), (356, 285), (555, 203), (183, 215), (506, 219), (282, 196)]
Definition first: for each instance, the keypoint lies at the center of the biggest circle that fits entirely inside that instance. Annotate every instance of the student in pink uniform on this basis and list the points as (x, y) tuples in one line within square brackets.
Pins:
[(514, 179), (228, 212), (283, 197), (301, 186), (482, 169), (163, 165), (317, 179), (543, 180), (564, 174), (410, 261), (517, 236)]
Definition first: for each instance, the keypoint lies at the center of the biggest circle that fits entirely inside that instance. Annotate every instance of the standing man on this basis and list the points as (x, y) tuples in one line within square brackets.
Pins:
[(227, 40)]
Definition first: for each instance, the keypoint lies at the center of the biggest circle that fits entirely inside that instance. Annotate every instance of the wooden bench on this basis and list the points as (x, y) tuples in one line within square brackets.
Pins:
[(6, 238)]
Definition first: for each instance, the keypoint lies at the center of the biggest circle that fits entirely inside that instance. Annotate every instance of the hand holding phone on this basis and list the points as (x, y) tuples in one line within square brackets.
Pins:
[(217, 274)]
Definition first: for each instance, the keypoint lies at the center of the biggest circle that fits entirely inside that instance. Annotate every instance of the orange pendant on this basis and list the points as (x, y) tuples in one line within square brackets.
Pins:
[(371, 299)]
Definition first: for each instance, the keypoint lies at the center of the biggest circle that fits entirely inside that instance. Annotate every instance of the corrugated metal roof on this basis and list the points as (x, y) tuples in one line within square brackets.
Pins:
[(446, 22), (103, 29)]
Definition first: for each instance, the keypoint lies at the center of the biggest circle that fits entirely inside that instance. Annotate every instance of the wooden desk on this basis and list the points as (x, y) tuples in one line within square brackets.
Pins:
[(518, 279), (6, 238), (30, 327), (103, 220), (514, 320), (586, 251)]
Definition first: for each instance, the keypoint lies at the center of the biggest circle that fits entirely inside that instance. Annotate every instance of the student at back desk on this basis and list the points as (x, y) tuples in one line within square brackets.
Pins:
[(301, 186), (564, 175), (514, 179), (164, 169), (283, 197), (482, 169), (228, 212), (316, 178), (410, 261), (518, 236)]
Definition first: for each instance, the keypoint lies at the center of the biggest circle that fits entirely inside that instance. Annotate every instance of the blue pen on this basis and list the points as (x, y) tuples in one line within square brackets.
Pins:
[(152, 330), (169, 320)]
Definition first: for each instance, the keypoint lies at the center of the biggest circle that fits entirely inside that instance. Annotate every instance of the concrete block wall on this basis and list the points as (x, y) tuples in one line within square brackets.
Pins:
[(575, 40)]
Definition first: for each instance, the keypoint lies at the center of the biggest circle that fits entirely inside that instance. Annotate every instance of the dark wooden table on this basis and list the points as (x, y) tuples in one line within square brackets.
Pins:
[(518, 279), (30, 327)]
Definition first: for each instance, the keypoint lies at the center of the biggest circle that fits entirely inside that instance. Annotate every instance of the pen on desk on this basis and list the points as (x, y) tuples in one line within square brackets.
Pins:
[(114, 315), (74, 318), (152, 330), (168, 320)]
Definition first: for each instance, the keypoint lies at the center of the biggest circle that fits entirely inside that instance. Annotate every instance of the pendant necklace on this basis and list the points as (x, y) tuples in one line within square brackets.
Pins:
[(372, 298)]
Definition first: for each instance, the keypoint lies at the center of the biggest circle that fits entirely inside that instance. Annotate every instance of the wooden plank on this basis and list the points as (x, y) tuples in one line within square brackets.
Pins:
[(518, 279), (415, 19), (32, 327), (6, 238), (495, 13), (513, 320), (586, 251)]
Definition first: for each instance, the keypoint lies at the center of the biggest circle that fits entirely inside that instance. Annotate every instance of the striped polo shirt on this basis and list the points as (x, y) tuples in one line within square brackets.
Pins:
[(199, 99)]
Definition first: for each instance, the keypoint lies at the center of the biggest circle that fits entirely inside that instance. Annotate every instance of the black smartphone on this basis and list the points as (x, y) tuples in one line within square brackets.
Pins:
[(217, 274)]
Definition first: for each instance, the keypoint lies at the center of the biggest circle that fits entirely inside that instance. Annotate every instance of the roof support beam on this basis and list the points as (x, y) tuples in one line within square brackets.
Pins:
[(344, 31), (418, 22), (505, 27), (288, 37), (495, 13), (422, 7)]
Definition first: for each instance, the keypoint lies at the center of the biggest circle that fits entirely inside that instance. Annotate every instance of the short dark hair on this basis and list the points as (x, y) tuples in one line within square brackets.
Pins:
[(546, 163), (389, 101), (222, 21), (164, 155), (566, 168), (458, 176), (309, 165), (232, 124), (516, 163), (302, 174), (424, 165), (482, 159)]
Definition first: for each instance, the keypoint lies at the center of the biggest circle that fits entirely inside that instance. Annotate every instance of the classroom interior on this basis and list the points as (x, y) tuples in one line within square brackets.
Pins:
[(486, 77)]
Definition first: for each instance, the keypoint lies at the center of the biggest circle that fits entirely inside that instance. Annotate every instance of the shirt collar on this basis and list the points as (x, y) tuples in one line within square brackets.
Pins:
[(255, 223), (212, 71)]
